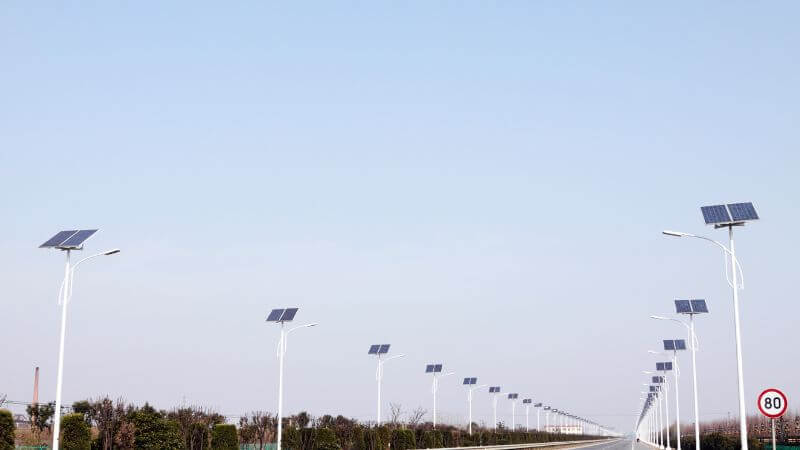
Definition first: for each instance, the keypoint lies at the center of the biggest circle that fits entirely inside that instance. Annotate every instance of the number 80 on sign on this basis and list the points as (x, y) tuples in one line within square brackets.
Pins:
[(772, 403)]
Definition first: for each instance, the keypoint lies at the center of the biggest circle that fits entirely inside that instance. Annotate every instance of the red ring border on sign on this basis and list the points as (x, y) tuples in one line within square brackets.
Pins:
[(785, 403)]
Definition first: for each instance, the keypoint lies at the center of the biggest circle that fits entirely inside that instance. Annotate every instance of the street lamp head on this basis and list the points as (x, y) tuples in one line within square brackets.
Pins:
[(310, 325), (112, 252), (653, 352), (674, 233), (659, 317)]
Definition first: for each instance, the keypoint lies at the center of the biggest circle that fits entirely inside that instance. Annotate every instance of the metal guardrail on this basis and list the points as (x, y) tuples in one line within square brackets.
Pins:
[(529, 445)]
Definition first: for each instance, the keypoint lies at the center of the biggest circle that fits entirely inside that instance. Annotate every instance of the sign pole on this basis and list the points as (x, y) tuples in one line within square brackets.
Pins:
[(773, 434)]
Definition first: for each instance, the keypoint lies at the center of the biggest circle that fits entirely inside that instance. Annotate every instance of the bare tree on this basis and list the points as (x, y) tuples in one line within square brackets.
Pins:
[(415, 417), (396, 413)]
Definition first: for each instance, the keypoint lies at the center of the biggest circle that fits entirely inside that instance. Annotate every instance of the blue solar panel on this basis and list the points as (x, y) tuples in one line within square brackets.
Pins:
[(494, 389), (683, 306), (288, 315), (669, 345), (659, 366), (437, 368), (77, 239), (274, 315), (429, 368), (466, 380), (513, 396), (527, 400), (699, 306), (373, 349), (658, 380), (384, 349), (653, 388), (742, 211), (667, 366), (60, 237), (537, 405), (715, 214)]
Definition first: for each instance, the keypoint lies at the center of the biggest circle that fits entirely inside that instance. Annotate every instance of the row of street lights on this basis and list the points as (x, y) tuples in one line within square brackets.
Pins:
[(650, 421), (73, 240)]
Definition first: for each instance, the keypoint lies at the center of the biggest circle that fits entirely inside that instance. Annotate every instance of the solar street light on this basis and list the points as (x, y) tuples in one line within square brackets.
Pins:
[(471, 383), (283, 316), (729, 216), (538, 407), (690, 308), (496, 391), (527, 402), (513, 397), (379, 350), (67, 241), (435, 369)]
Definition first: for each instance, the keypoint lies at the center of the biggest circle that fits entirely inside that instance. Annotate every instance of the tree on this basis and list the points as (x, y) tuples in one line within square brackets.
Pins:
[(416, 416), (76, 433), (395, 413), (325, 439), (303, 419), (257, 427), (154, 432), (7, 435), (223, 437), (83, 407), (40, 415), (125, 436)]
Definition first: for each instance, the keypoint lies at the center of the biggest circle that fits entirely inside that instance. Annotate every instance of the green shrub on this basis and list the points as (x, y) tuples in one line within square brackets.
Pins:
[(223, 437), (154, 432), (6, 430), (325, 439), (291, 438), (75, 433), (403, 440), (432, 439), (358, 438)]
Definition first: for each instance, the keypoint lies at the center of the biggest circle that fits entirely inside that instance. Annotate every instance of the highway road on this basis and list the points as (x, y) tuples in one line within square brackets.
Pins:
[(619, 444)]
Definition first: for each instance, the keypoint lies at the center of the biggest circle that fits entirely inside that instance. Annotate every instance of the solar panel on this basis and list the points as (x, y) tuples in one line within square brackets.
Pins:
[(437, 368), (77, 239), (537, 405), (680, 344), (429, 368), (683, 306), (742, 211), (660, 366), (373, 349), (275, 315), (667, 366), (715, 214), (473, 380), (384, 349), (658, 379), (653, 389), (288, 315), (669, 344), (466, 380), (494, 389), (527, 400), (60, 237), (699, 306)]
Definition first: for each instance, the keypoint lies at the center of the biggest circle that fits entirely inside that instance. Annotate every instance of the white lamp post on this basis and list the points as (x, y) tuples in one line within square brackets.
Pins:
[(67, 241), (496, 391), (436, 369), (513, 397), (471, 381), (729, 216), (282, 316), (527, 402), (379, 350)]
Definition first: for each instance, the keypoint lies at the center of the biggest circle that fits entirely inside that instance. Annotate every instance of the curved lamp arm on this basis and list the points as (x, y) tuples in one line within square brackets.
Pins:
[(718, 244)]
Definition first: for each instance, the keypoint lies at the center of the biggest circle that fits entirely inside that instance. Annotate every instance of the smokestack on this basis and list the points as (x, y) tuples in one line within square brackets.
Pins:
[(36, 387)]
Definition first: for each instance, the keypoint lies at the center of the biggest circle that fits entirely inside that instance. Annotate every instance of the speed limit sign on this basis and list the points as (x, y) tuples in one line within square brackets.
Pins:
[(772, 403)]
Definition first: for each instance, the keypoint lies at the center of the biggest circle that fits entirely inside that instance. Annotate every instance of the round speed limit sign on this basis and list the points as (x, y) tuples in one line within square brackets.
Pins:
[(772, 403)]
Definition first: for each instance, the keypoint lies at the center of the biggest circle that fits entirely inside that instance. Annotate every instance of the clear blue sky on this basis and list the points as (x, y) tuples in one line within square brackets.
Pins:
[(481, 184)]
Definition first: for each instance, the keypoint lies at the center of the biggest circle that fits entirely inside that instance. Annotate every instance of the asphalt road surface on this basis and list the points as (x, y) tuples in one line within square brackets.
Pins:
[(619, 444)]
